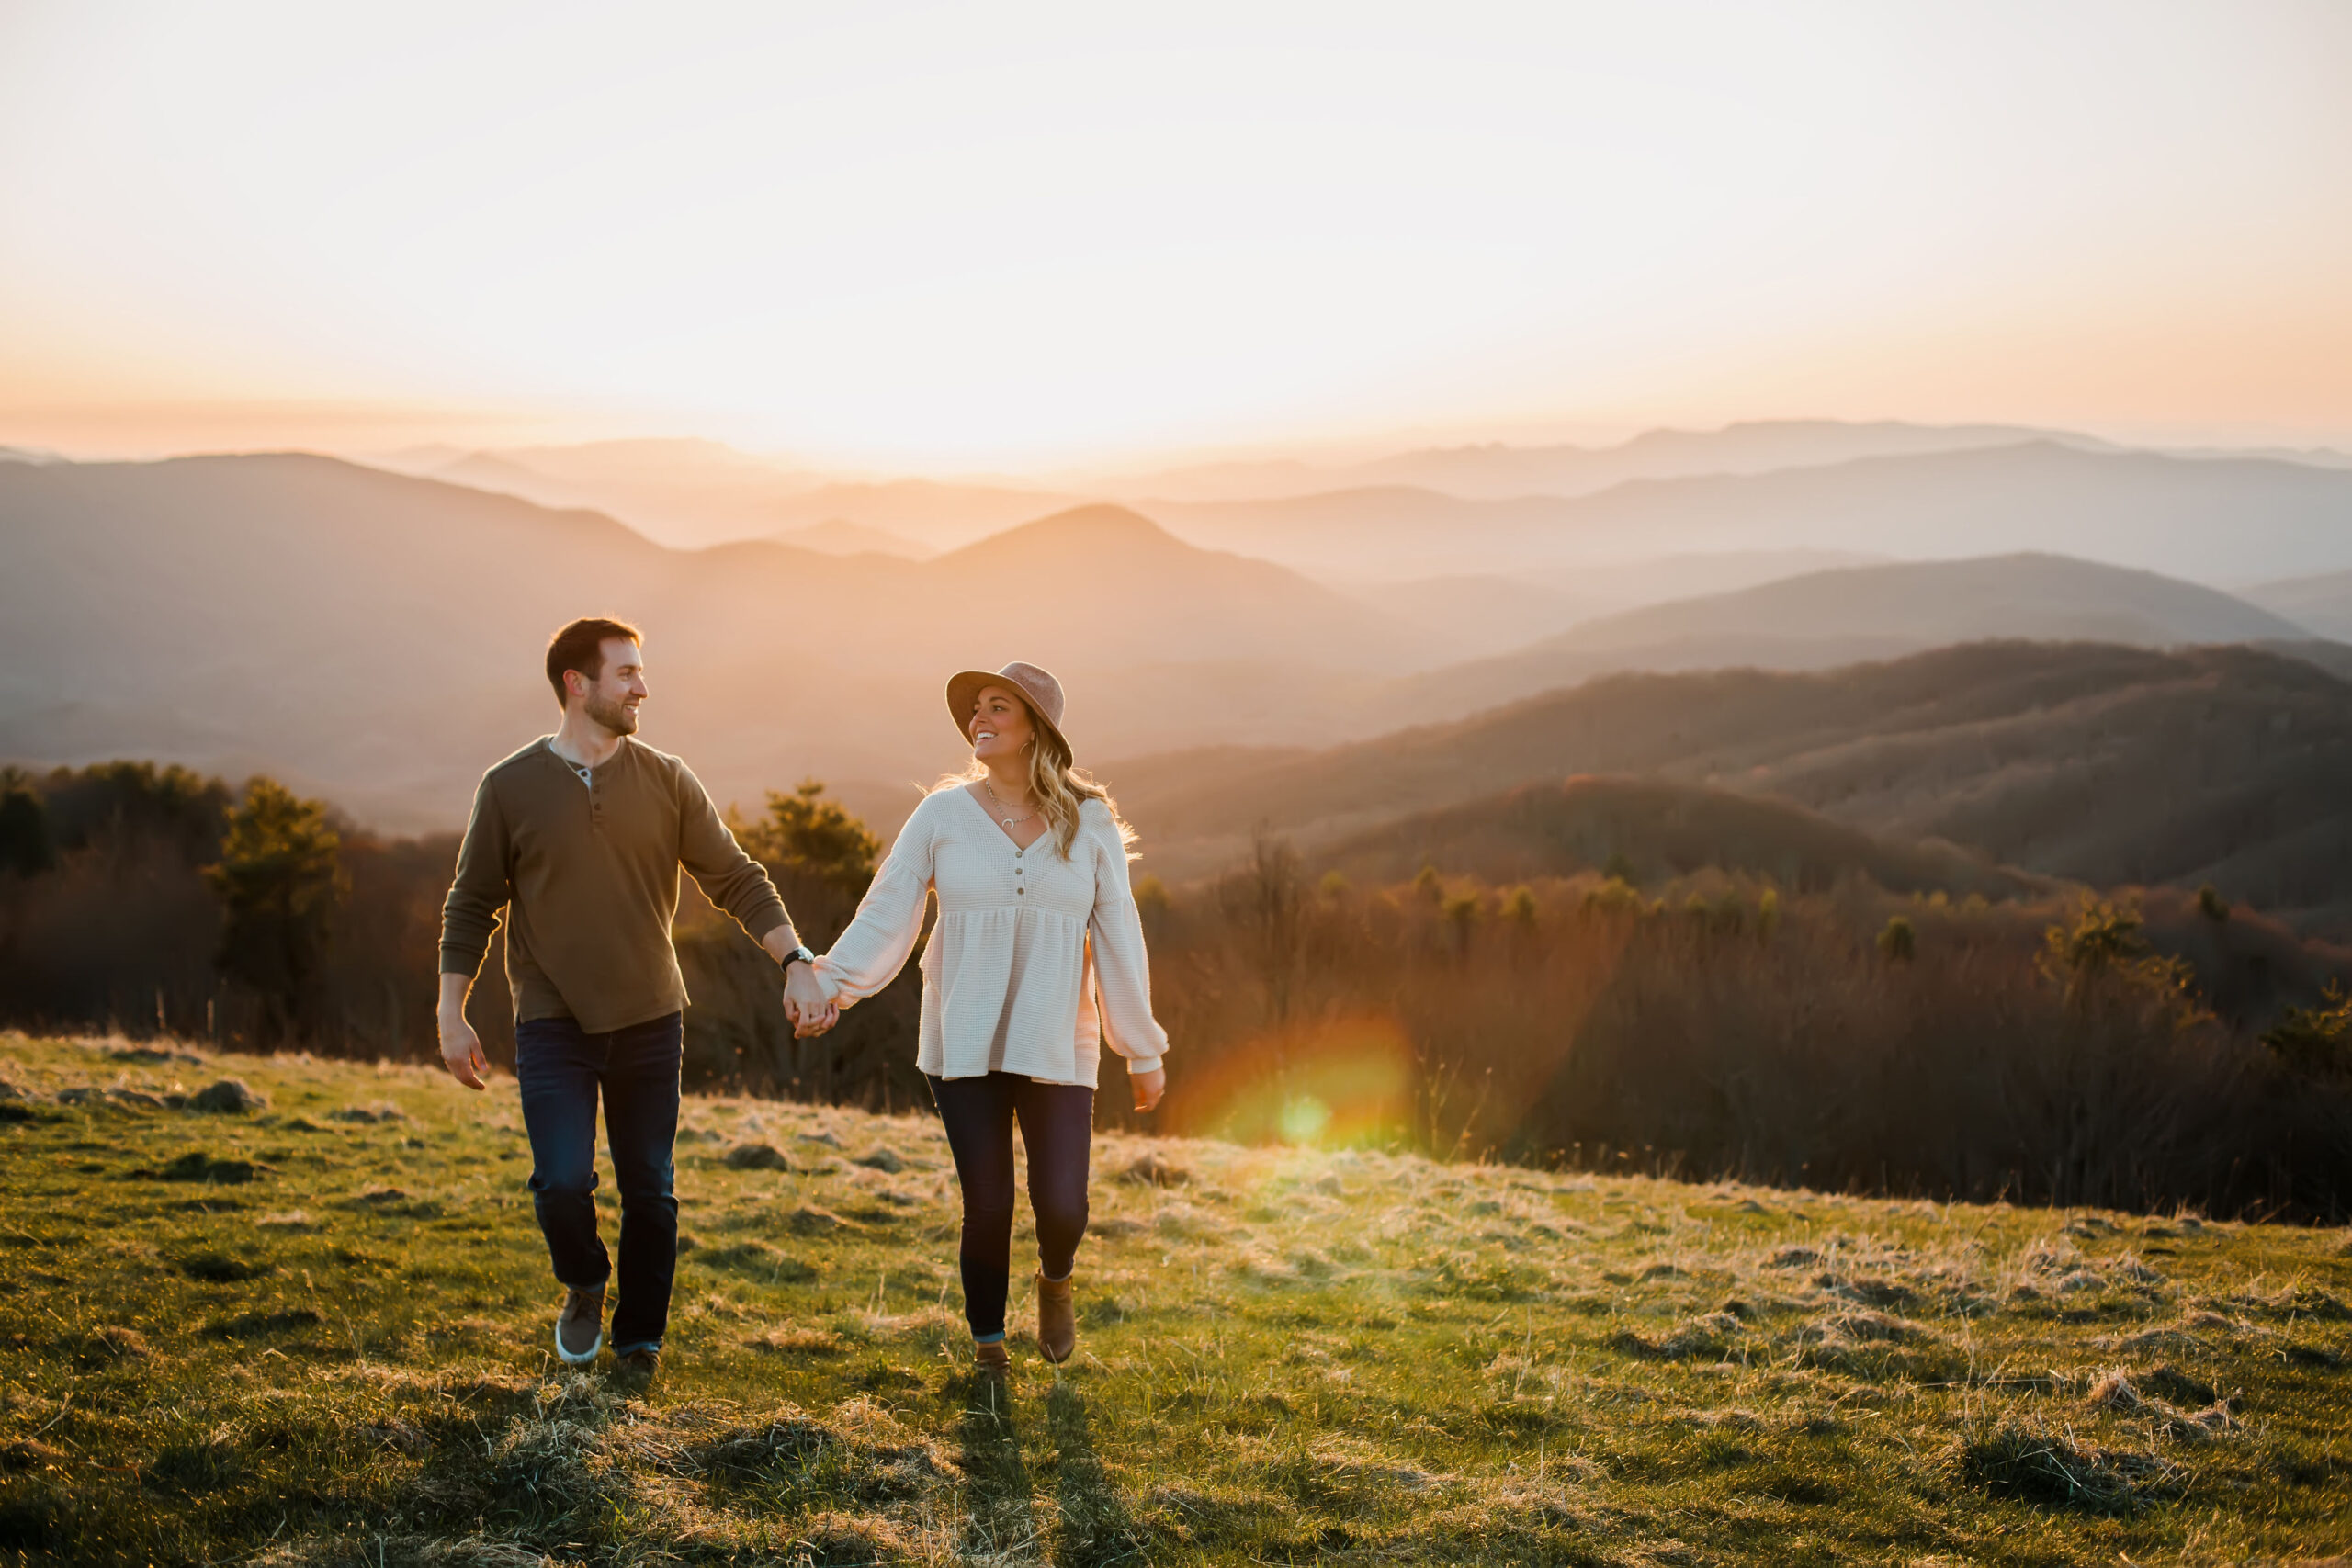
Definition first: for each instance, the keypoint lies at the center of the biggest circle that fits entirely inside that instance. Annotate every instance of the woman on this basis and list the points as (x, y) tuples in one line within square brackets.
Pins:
[(1029, 860)]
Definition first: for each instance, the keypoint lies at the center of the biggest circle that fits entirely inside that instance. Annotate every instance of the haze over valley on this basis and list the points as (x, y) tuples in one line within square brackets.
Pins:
[(374, 636)]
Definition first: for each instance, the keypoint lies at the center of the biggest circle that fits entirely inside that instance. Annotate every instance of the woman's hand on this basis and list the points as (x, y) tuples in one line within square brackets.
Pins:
[(1149, 1086), (805, 1003)]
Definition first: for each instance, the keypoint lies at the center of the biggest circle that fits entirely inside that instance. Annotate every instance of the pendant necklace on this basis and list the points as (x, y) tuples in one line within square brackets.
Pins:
[(1008, 821)]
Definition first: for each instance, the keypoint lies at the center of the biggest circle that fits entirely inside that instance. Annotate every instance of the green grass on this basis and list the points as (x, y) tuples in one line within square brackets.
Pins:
[(318, 1331)]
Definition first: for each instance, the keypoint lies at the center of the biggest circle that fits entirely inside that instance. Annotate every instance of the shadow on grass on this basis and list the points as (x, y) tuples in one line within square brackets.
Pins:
[(1002, 1525), (1095, 1529)]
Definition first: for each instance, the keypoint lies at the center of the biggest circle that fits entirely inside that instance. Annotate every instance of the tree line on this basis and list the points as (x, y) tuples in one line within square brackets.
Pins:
[(148, 899), (2132, 1047)]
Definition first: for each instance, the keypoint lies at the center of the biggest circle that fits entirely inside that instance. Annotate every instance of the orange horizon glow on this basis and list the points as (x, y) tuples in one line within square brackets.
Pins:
[(921, 240)]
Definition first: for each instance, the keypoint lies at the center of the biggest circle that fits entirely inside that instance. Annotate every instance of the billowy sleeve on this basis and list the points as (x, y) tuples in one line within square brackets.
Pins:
[(1122, 968), (889, 917)]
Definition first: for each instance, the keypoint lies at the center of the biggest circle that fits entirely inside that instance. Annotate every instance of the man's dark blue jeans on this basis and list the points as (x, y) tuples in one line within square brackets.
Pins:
[(560, 1069)]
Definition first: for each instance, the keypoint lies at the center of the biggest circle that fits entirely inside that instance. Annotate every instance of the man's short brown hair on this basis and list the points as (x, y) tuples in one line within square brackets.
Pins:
[(581, 646)]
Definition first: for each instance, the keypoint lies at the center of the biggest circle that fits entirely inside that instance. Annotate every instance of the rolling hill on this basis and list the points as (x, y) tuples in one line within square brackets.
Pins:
[(1658, 828), (379, 637), (2030, 596), (1501, 471), (2094, 762), (2323, 603), (376, 639), (692, 494), (839, 538), (1821, 620), (2210, 520)]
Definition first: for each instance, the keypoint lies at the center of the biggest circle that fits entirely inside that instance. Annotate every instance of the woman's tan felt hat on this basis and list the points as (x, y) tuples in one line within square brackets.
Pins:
[(1043, 693)]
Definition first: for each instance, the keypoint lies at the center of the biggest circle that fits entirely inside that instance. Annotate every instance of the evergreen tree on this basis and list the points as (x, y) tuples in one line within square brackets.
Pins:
[(279, 878), (26, 846), (805, 832)]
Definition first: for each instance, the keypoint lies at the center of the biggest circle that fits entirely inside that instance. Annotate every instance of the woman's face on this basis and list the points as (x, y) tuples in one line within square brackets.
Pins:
[(1000, 725)]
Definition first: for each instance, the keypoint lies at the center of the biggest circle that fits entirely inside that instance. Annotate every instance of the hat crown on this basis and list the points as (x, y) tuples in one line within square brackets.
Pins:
[(1039, 686)]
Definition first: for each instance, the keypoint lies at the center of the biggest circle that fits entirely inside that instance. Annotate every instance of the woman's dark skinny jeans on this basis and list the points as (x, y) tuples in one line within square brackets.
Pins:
[(1057, 1124), (562, 1070)]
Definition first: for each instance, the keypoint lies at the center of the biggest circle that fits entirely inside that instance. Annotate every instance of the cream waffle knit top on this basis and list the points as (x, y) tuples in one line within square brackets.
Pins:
[(1025, 942)]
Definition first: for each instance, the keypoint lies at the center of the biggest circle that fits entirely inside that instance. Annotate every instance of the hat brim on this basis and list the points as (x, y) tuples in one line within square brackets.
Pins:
[(964, 690)]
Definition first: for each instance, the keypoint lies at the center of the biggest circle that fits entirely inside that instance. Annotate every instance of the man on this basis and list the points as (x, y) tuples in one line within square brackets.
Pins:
[(579, 837)]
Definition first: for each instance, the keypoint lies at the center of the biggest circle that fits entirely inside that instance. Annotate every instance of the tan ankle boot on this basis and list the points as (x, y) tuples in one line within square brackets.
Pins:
[(1057, 1317), (992, 1358)]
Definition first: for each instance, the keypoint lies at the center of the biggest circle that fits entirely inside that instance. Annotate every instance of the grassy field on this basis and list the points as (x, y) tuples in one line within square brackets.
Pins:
[(316, 1330)]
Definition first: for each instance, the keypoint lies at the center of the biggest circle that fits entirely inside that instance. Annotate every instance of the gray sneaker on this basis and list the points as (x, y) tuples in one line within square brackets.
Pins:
[(580, 1328)]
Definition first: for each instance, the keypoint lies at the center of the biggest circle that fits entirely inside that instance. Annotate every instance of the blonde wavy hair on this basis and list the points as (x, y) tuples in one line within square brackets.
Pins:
[(1058, 788)]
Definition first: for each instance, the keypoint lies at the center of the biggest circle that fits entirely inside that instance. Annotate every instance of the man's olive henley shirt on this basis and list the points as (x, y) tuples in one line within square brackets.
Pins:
[(587, 870)]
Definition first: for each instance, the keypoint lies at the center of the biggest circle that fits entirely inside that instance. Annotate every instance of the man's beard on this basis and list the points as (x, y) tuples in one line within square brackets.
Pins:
[(619, 718)]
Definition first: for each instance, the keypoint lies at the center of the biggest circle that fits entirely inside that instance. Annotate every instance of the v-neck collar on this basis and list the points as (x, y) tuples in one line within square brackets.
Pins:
[(1001, 830)]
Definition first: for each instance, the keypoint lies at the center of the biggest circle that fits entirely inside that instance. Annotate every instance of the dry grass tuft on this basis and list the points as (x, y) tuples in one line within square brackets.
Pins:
[(2025, 1457)]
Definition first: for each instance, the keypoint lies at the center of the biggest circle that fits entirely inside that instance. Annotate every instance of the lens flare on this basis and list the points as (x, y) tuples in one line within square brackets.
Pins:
[(1303, 1118), (1325, 1083)]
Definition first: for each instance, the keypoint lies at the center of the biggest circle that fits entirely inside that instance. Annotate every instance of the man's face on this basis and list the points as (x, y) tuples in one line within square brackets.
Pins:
[(612, 697)]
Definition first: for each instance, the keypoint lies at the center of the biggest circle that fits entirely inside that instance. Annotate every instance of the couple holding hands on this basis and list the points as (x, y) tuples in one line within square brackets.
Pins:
[(1035, 963)]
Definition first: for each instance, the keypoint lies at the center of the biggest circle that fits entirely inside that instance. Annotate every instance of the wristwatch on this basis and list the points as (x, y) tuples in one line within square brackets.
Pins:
[(798, 955)]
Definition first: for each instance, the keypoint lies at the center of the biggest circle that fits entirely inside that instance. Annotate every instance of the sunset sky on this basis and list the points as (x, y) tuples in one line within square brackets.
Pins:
[(955, 237)]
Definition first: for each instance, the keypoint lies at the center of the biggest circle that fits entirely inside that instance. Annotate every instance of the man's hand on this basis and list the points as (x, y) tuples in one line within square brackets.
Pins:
[(805, 1003), (462, 1049), (1149, 1086), (460, 1046)]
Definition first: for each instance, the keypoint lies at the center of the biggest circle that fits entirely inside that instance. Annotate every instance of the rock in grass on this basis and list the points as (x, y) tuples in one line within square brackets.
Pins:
[(882, 1160), (379, 1111), (757, 1157), (229, 1097), (1152, 1171)]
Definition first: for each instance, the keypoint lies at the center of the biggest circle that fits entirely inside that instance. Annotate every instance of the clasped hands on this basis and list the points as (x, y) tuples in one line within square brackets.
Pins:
[(805, 1002)]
